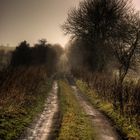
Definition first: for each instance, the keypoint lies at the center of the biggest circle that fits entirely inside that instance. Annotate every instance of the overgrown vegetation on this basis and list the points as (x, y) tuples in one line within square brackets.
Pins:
[(75, 125), (128, 124), (24, 85), (104, 29), (23, 92)]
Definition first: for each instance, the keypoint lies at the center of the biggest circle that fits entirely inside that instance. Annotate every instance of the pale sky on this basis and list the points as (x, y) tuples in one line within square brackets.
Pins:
[(136, 4), (32, 20)]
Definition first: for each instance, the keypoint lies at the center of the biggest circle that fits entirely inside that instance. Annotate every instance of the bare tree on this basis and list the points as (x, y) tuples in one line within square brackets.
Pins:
[(126, 47), (94, 22), (95, 19)]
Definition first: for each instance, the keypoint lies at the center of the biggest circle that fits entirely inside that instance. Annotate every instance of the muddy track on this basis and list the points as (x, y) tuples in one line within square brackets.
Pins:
[(47, 124), (102, 126), (43, 126)]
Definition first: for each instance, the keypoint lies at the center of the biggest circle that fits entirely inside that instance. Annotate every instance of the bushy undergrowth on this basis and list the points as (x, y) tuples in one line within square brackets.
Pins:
[(107, 90), (75, 125), (23, 91), (106, 86), (130, 129)]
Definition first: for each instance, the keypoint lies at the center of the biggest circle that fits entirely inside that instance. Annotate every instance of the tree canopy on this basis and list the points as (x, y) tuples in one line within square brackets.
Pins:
[(104, 26)]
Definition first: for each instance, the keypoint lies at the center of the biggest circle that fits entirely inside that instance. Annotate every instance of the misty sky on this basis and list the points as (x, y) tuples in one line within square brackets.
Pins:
[(32, 20)]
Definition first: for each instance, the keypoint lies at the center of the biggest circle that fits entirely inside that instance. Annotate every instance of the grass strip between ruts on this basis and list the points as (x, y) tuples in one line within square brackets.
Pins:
[(75, 124)]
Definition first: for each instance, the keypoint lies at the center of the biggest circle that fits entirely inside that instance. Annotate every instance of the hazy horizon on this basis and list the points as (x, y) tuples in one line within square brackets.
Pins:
[(33, 20)]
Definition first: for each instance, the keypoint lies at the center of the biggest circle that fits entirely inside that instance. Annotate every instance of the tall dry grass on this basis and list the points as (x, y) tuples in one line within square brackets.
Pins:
[(18, 88)]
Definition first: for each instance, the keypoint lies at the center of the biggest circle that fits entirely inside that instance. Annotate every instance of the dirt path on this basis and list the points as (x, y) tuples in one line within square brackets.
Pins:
[(42, 127), (102, 126)]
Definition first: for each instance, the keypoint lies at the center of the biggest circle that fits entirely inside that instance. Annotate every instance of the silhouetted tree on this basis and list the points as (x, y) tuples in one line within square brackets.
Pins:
[(46, 54), (21, 55), (39, 52), (94, 21)]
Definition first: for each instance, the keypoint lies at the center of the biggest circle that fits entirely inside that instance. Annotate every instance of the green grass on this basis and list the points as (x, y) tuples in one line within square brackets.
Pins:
[(13, 123), (130, 131), (75, 124)]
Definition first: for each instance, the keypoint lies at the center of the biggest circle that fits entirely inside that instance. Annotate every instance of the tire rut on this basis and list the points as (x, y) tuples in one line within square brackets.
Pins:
[(102, 126), (42, 129)]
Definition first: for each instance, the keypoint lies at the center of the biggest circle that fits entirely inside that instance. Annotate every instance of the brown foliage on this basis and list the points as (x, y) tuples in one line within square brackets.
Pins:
[(18, 89)]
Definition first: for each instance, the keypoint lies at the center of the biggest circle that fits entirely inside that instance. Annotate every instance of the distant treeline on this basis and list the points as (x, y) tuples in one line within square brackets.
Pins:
[(41, 53)]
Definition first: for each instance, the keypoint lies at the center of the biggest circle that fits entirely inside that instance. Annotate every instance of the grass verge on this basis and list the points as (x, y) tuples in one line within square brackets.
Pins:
[(75, 124), (129, 131)]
